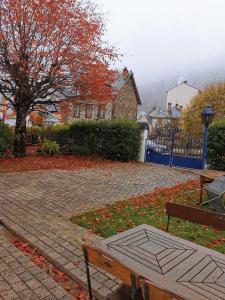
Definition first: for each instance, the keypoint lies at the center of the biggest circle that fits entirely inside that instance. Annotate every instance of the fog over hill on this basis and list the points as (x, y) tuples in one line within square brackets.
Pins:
[(199, 75)]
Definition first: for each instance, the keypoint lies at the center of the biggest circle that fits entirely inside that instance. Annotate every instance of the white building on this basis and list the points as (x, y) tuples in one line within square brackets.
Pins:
[(181, 95)]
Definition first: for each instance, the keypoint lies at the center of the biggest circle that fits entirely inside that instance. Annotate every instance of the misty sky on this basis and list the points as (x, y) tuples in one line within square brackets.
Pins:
[(162, 36)]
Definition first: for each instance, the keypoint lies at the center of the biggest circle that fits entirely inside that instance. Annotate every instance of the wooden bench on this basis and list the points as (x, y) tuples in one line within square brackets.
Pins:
[(195, 215)]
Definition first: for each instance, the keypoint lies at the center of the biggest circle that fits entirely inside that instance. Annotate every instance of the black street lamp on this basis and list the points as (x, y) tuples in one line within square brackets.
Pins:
[(207, 118), (207, 115)]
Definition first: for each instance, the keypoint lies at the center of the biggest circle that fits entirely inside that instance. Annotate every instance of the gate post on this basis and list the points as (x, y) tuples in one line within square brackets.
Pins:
[(172, 146), (144, 136)]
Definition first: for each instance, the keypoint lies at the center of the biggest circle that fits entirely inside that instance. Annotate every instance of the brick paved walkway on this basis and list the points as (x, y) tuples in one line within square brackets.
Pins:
[(21, 279), (37, 205)]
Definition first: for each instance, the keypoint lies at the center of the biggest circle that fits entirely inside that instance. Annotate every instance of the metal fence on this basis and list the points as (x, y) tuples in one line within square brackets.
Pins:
[(174, 147)]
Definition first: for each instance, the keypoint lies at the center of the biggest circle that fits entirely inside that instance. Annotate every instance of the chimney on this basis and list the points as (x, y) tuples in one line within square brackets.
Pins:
[(169, 106), (125, 72)]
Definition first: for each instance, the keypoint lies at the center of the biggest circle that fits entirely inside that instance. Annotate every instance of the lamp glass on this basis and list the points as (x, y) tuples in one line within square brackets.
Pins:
[(207, 116)]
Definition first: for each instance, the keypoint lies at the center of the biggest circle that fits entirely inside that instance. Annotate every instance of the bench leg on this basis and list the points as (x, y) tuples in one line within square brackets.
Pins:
[(88, 274), (200, 193), (168, 223), (146, 292)]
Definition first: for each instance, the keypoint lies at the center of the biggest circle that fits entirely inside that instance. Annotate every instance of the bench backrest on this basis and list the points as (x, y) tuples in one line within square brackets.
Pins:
[(217, 187), (196, 215)]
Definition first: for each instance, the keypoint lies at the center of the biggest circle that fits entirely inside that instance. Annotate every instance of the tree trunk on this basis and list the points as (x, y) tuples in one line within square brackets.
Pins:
[(20, 135)]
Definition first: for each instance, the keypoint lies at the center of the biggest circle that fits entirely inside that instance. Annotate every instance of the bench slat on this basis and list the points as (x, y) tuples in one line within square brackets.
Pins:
[(196, 215)]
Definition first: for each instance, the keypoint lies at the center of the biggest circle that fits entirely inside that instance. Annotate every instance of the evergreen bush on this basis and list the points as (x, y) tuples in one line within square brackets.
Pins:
[(216, 145), (50, 148), (115, 140), (6, 139)]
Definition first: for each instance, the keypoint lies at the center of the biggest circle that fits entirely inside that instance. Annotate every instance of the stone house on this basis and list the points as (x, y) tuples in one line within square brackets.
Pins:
[(124, 104)]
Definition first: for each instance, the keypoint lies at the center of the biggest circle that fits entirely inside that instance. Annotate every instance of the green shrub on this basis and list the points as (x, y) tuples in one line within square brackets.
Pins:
[(50, 148), (78, 150), (216, 145), (35, 132), (58, 133), (6, 139), (115, 140)]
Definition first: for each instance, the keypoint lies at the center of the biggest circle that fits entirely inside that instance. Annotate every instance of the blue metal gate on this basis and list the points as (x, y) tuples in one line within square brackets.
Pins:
[(174, 148)]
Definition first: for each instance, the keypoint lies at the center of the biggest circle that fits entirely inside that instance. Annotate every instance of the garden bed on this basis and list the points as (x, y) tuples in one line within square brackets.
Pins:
[(149, 209)]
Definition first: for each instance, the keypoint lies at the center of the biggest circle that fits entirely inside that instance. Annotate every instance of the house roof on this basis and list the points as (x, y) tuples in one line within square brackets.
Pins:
[(184, 82), (120, 82), (156, 113), (117, 86)]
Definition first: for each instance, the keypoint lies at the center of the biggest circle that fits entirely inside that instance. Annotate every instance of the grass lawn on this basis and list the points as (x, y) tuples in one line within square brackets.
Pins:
[(149, 209)]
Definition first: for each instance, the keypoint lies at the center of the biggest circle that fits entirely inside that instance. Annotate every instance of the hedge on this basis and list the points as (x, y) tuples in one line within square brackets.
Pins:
[(6, 139), (58, 133), (216, 145), (115, 140)]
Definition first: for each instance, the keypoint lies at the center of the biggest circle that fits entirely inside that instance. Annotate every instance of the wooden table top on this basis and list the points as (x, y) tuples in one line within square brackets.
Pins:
[(179, 266), (211, 174)]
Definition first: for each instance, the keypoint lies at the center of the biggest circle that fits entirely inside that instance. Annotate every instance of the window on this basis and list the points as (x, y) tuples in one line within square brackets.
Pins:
[(88, 111), (76, 111), (101, 111)]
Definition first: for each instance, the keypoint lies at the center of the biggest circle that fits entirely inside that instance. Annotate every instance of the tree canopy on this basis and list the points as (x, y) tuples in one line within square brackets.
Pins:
[(214, 95), (48, 50)]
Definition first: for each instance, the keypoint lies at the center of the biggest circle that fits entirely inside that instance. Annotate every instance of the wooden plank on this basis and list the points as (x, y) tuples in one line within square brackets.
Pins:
[(196, 215), (175, 268), (210, 174), (114, 267), (109, 264), (156, 293)]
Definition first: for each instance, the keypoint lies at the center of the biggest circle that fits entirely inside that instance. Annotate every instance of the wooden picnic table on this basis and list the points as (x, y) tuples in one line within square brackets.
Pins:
[(206, 176), (163, 266)]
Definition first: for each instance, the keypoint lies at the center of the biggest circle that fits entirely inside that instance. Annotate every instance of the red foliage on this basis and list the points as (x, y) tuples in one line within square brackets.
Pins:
[(54, 44), (8, 165), (52, 50)]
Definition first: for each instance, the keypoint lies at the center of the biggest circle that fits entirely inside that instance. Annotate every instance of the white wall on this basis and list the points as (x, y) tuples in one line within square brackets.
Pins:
[(181, 95)]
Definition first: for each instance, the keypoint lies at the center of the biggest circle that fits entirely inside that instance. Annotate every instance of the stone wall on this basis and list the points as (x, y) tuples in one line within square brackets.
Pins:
[(107, 115), (125, 105)]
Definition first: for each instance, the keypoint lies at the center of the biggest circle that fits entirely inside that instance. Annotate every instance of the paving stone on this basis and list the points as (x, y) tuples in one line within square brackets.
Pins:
[(50, 284), (4, 286), (58, 292), (41, 276), (9, 295), (25, 276), (19, 287), (33, 284), (38, 205), (41, 292), (3, 267), (28, 295)]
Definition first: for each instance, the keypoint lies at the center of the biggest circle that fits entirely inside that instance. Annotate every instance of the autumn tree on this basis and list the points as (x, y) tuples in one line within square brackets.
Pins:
[(214, 95), (49, 49)]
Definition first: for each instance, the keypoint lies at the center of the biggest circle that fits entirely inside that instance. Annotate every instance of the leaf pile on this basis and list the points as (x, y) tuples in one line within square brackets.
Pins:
[(8, 165), (60, 277)]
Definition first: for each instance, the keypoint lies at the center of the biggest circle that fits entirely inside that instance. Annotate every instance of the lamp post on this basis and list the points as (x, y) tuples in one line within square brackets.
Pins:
[(207, 118)]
